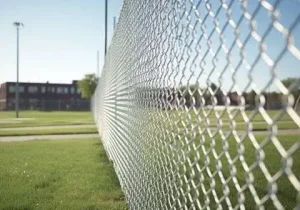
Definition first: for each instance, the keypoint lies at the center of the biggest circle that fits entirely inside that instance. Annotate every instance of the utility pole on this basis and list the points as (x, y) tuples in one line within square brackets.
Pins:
[(105, 42), (115, 22), (18, 25), (98, 64)]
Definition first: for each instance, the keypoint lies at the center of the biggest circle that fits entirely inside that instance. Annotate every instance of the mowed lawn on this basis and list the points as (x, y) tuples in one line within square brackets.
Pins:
[(230, 165), (53, 131), (64, 174), (233, 119), (44, 118), (201, 117)]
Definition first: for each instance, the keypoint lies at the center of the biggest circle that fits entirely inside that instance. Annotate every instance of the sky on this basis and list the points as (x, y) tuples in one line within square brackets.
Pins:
[(288, 65), (60, 39)]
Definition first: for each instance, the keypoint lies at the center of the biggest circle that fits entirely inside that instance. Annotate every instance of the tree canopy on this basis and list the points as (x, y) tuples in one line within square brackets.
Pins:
[(292, 81), (288, 82), (88, 85)]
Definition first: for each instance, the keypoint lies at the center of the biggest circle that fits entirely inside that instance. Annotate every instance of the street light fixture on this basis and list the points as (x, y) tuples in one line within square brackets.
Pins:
[(18, 25)]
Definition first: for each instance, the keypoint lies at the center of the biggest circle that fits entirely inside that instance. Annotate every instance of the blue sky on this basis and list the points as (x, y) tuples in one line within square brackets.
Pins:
[(60, 39), (288, 65)]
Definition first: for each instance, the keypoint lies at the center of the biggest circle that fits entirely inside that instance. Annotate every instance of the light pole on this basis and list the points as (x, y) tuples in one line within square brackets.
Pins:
[(105, 22), (98, 64), (18, 25), (115, 22)]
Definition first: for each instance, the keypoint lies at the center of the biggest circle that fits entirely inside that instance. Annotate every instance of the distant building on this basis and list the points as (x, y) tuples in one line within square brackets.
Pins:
[(43, 96)]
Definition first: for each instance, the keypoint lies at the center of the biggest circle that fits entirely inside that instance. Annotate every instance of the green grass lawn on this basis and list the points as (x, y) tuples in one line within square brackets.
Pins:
[(53, 131), (238, 164), (65, 174), (204, 118), (44, 118), (174, 137), (237, 115)]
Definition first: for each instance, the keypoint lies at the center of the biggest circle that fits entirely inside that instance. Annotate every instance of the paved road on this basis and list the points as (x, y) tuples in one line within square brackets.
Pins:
[(49, 127), (46, 137)]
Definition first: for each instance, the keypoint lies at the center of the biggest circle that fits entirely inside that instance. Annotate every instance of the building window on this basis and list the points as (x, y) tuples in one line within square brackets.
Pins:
[(62, 90), (66, 90), (78, 91), (72, 90), (43, 89), (33, 89), (12, 89), (59, 90), (21, 89), (51, 89)]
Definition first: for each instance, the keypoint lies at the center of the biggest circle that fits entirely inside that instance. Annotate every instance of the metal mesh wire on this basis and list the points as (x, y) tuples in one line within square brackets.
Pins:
[(197, 104)]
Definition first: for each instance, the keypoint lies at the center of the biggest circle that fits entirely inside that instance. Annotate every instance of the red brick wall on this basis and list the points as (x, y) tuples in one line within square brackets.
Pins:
[(3, 94), (3, 91)]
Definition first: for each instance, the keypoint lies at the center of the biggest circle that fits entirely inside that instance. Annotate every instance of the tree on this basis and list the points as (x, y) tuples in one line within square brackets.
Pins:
[(250, 98), (196, 96), (291, 80), (88, 85), (288, 82)]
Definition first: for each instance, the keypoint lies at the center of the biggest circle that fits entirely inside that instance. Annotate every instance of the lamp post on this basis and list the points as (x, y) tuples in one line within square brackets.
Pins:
[(98, 74), (105, 22), (18, 25), (115, 22)]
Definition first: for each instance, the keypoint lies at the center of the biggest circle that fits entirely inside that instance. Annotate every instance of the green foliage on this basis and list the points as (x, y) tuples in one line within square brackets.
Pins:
[(250, 98), (293, 84), (88, 85), (291, 81), (194, 95)]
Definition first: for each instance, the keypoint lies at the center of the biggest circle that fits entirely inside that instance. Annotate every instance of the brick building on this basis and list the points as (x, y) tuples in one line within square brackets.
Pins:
[(43, 96)]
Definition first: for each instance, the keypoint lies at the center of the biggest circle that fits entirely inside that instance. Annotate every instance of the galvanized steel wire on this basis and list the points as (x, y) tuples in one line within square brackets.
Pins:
[(183, 104)]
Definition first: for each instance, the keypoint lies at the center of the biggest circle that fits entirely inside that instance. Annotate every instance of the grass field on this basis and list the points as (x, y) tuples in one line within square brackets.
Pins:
[(41, 118), (53, 131), (270, 156), (240, 164), (65, 174), (200, 117), (241, 160), (234, 119)]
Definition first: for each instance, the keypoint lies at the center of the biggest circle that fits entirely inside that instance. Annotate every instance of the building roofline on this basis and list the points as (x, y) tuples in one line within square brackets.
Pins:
[(40, 83)]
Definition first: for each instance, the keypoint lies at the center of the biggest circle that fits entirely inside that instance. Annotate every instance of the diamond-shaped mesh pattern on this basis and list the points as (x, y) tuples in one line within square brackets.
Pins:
[(198, 104)]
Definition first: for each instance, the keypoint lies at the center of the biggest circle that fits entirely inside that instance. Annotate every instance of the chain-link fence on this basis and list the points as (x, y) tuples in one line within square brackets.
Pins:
[(197, 104)]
